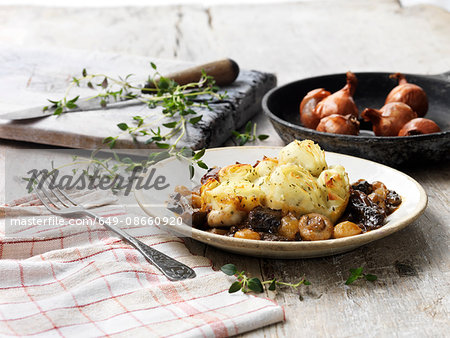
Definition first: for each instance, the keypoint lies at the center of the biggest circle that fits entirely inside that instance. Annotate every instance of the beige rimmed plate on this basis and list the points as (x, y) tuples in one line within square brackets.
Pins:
[(413, 205)]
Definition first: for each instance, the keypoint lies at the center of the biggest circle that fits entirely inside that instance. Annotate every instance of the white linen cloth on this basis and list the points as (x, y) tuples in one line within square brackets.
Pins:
[(70, 279)]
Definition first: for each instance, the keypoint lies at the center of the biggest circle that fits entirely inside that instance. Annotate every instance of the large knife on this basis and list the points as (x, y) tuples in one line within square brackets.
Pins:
[(224, 72)]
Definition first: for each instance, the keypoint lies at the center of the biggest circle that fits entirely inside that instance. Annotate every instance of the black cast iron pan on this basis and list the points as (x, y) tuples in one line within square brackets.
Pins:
[(281, 105)]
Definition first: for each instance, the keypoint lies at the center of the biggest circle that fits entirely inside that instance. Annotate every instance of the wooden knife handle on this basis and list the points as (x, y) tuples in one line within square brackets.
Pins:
[(223, 71)]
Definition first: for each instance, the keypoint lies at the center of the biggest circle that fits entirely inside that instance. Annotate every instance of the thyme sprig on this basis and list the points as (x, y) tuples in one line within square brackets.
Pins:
[(254, 284), (249, 134), (178, 104), (248, 284)]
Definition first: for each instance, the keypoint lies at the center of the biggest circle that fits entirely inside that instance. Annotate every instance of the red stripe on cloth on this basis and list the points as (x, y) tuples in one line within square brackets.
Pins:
[(109, 274), (112, 213), (113, 248), (48, 239), (154, 296), (117, 296), (274, 302), (106, 213), (22, 280), (22, 200), (89, 231), (131, 257), (192, 315), (119, 302), (75, 301), (62, 238), (44, 284), (216, 324), (14, 332), (78, 252), (136, 273), (146, 272), (22, 241), (31, 249), (65, 225), (189, 293), (115, 254), (198, 326), (24, 229), (119, 314)]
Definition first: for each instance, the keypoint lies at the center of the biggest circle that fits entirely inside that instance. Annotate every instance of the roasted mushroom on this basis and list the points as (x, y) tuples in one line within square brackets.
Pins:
[(315, 227)]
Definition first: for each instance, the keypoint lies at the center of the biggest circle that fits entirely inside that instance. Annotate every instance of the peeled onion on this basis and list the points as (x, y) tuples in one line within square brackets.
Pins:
[(409, 93), (339, 124), (389, 119), (419, 126), (308, 104)]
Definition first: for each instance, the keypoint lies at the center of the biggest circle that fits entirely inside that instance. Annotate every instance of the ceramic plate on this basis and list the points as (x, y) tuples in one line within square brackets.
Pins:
[(413, 205)]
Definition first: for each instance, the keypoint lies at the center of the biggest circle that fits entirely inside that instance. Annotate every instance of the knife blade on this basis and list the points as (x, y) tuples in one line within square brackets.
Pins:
[(224, 72), (84, 104)]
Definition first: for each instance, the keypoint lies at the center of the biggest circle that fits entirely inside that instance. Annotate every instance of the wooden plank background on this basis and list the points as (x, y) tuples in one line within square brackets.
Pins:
[(296, 40)]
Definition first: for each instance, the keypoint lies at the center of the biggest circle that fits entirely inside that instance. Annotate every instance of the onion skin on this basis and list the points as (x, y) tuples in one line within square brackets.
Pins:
[(419, 126), (308, 105), (411, 94), (340, 102), (339, 124), (389, 119)]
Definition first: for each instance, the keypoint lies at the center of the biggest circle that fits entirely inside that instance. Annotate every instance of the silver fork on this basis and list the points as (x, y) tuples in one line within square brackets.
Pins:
[(62, 205)]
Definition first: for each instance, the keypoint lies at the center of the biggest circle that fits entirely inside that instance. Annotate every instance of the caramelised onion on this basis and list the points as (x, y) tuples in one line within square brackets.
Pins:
[(340, 102), (419, 126), (307, 116), (339, 124), (389, 119), (409, 93)]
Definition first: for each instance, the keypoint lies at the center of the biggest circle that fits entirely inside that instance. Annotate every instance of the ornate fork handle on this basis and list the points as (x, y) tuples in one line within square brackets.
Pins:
[(170, 267)]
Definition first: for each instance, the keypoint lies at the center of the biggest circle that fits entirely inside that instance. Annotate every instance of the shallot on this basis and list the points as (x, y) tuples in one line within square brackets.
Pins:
[(340, 102), (339, 124), (389, 119), (419, 126), (318, 103), (409, 93), (307, 116)]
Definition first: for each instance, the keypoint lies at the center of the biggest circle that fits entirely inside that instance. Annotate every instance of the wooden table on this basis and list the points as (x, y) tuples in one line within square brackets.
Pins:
[(298, 40)]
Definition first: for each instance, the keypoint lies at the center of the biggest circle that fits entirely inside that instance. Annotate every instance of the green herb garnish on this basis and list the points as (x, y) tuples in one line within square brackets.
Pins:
[(358, 273), (178, 104), (249, 134), (249, 284)]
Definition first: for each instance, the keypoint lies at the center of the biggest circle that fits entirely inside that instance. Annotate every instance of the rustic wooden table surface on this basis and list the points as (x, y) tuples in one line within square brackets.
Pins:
[(296, 40)]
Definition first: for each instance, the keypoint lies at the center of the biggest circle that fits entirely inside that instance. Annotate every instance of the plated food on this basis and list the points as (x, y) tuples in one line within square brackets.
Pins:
[(414, 201), (295, 196), (338, 114)]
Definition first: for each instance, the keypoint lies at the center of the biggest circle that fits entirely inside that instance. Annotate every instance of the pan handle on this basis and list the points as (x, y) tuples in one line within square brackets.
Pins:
[(443, 76)]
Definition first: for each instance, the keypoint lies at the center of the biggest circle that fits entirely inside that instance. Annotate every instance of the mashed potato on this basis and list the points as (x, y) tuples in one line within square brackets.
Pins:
[(299, 182), (305, 154)]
